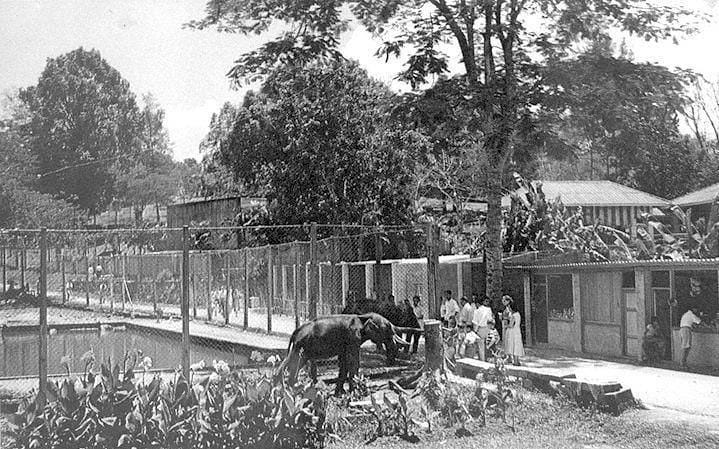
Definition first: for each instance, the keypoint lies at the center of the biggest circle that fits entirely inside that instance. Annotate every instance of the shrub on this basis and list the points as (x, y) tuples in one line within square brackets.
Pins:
[(114, 409)]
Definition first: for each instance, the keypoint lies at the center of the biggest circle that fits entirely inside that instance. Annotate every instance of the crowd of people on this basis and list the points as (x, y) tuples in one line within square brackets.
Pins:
[(484, 330)]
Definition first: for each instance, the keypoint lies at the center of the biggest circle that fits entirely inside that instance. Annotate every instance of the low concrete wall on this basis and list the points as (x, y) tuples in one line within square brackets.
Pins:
[(704, 352), (602, 338), (561, 333)]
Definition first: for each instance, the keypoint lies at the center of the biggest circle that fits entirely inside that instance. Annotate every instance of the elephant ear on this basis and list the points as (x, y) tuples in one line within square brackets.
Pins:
[(356, 328)]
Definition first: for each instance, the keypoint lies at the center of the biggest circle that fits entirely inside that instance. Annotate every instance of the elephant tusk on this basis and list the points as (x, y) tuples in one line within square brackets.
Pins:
[(401, 330), (401, 341)]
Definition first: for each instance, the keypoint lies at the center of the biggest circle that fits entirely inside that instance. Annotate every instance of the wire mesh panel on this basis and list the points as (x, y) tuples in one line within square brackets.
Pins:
[(20, 314), (114, 293)]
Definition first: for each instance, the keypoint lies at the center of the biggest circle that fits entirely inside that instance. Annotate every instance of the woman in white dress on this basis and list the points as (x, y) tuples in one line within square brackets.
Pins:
[(512, 333)]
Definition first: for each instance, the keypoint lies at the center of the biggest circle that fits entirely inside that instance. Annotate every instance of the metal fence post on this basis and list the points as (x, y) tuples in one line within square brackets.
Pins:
[(4, 271), (87, 278), (185, 307), (376, 278), (228, 285), (42, 296), (270, 288), (432, 268), (208, 265), (246, 294), (62, 275), (314, 273), (295, 288), (23, 262)]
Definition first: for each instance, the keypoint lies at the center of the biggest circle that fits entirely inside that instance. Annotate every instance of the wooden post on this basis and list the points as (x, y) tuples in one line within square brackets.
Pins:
[(270, 288), (578, 327), (209, 286), (185, 305), (42, 296), (62, 270), (433, 346), (527, 280), (432, 273), (295, 289), (313, 274), (246, 295), (227, 288)]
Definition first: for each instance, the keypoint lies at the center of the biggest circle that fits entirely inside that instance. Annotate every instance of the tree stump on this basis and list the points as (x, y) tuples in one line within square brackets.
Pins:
[(433, 346)]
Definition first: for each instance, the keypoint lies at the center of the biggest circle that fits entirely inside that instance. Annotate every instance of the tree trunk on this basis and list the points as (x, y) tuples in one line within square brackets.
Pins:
[(493, 243)]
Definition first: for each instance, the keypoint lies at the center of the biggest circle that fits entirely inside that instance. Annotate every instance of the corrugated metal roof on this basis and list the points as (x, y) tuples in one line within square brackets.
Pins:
[(701, 196), (251, 200), (596, 193), (713, 262)]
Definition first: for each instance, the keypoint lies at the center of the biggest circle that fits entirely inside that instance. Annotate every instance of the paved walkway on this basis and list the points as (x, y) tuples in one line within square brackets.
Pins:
[(696, 394)]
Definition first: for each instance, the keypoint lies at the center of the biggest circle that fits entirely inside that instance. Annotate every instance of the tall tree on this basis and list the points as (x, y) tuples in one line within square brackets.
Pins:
[(499, 41), (150, 177), (315, 140), (623, 117), (85, 120), (21, 205)]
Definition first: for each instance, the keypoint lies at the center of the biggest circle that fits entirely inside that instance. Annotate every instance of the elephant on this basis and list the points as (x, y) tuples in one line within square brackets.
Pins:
[(403, 317), (341, 336), (399, 316)]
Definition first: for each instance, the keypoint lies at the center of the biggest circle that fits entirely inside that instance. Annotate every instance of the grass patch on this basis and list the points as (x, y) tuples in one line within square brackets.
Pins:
[(540, 421)]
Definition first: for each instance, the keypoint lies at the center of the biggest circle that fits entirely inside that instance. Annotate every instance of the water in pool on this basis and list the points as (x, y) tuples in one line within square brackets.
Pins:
[(19, 349)]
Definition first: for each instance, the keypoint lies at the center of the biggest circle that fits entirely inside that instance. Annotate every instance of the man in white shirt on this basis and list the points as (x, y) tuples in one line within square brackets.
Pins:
[(689, 319), (466, 313), (451, 308), (482, 316)]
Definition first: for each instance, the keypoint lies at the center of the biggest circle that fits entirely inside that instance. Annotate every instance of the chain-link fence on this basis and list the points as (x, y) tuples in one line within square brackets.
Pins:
[(114, 292)]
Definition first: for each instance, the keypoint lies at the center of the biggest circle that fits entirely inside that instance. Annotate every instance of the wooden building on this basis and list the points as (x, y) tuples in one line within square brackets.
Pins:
[(699, 201), (603, 308), (210, 211), (608, 202)]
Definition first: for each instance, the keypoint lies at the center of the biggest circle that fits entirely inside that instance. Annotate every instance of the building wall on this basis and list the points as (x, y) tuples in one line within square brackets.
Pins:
[(215, 212), (704, 351)]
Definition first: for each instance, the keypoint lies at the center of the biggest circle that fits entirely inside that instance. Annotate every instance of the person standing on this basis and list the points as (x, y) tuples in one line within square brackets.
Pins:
[(482, 316), (466, 314), (513, 345), (419, 314), (689, 319), (449, 309)]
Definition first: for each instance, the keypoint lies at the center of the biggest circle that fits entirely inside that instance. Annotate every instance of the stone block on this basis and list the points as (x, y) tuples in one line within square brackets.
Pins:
[(617, 401)]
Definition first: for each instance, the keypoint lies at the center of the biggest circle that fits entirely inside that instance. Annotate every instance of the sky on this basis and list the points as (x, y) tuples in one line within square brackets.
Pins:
[(185, 69)]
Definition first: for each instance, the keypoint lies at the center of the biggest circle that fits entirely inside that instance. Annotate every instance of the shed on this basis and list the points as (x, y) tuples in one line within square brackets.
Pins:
[(603, 308), (614, 204), (214, 211), (700, 201)]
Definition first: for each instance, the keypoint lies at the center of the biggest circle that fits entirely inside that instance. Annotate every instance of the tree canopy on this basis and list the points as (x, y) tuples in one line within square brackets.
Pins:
[(502, 43), (21, 205), (317, 142), (84, 120)]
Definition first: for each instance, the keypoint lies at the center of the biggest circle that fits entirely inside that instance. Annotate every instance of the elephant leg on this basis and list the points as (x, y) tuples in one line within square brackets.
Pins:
[(313, 370), (342, 376), (353, 366)]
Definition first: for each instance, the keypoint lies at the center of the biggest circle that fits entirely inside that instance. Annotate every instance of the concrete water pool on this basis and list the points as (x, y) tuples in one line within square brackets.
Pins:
[(19, 349)]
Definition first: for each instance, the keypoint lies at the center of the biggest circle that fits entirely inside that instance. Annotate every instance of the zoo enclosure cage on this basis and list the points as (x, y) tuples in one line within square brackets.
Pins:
[(111, 292)]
